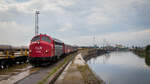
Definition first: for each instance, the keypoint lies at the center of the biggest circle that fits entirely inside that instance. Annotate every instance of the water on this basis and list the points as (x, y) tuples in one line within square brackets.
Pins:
[(121, 68)]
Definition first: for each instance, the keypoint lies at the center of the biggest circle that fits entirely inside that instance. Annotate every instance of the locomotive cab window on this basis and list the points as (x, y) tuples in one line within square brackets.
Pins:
[(45, 38), (37, 38)]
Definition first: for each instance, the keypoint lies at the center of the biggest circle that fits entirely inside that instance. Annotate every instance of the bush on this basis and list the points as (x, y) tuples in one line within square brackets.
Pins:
[(147, 50)]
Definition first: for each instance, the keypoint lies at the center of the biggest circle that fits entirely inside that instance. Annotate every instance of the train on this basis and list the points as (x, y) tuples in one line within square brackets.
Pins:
[(10, 55), (44, 49)]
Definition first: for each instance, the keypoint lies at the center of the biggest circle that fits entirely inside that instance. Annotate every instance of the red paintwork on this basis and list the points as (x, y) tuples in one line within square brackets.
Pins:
[(68, 49), (39, 50), (63, 48)]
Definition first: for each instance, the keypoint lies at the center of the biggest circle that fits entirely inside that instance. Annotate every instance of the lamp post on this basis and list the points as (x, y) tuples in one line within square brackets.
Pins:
[(36, 22)]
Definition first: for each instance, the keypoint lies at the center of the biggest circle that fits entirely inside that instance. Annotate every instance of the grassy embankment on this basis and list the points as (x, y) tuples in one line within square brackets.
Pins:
[(140, 52), (144, 53), (67, 58), (88, 76)]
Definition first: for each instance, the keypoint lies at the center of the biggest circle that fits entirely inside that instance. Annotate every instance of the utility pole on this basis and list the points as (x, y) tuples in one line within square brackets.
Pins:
[(105, 43), (94, 42), (36, 22)]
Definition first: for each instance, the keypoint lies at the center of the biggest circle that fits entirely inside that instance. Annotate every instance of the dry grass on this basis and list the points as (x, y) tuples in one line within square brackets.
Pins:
[(88, 76), (67, 58)]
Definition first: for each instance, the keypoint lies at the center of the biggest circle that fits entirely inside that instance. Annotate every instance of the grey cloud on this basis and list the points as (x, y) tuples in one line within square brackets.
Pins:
[(74, 18)]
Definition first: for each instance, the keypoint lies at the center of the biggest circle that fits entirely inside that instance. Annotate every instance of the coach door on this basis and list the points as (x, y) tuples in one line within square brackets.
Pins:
[(58, 48)]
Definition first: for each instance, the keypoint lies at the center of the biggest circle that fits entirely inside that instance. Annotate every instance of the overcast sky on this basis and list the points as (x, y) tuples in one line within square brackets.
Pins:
[(124, 22)]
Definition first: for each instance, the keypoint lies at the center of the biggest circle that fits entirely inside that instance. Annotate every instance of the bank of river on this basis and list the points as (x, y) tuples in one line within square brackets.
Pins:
[(78, 72), (121, 68)]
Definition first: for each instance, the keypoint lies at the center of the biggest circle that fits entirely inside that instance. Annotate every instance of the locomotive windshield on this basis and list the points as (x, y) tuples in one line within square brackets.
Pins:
[(45, 38), (35, 39)]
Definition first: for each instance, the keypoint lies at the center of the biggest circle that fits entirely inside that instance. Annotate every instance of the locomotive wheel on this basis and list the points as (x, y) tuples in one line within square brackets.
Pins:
[(2, 67), (58, 57), (36, 65), (7, 65), (54, 59), (3, 63)]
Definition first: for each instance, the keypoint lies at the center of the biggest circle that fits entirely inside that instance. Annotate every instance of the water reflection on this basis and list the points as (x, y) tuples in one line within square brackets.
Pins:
[(144, 56), (94, 60), (121, 68)]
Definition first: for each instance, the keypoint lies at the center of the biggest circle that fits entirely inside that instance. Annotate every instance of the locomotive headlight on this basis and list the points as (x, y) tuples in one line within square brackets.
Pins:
[(46, 51), (38, 42), (30, 51)]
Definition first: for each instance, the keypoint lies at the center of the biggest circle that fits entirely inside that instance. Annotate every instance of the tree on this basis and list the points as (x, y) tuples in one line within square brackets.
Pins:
[(147, 50)]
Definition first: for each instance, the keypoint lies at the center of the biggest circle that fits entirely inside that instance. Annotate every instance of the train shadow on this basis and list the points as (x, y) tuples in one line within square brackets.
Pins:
[(51, 63), (62, 57)]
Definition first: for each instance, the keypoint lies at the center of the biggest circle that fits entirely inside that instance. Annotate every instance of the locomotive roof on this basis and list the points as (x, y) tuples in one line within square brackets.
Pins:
[(56, 40)]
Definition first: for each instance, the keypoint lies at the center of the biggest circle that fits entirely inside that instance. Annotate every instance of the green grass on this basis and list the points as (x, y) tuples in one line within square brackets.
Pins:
[(140, 53), (54, 70), (88, 75)]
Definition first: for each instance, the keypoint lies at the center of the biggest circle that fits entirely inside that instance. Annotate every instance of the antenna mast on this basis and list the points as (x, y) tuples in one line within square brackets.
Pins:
[(36, 22)]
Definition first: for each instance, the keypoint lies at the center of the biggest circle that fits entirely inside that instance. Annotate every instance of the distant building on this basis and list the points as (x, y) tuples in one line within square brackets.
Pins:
[(95, 46), (119, 46)]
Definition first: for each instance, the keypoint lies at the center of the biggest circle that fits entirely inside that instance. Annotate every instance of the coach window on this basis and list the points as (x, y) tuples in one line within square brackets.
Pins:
[(35, 39), (57, 43), (45, 38)]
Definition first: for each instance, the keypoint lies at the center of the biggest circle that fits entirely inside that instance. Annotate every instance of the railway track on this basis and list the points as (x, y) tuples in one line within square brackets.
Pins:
[(27, 74), (15, 73), (42, 73)]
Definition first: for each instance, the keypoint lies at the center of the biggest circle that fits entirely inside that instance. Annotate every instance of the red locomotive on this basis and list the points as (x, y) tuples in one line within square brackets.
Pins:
[(44, 49)]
